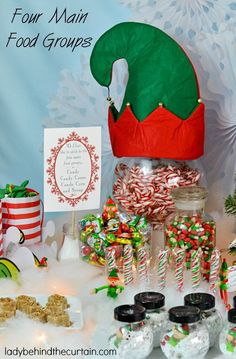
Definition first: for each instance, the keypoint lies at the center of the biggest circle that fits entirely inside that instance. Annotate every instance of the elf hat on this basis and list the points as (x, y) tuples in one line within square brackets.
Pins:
[(110, 205), (113, 275), (162, 114)]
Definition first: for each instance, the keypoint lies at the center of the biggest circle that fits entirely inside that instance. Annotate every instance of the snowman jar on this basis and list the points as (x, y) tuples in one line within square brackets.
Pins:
[(133, 337)]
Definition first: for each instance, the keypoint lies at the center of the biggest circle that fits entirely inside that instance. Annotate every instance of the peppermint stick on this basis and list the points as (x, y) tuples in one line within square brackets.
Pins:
[(149, 194), (162, 268), (196, 267), (214, 269), (142, 265), (179, 268), (128, 264), (111, 260)]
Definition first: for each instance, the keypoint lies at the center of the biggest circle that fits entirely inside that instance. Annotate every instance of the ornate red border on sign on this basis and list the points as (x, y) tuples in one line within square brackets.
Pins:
[(51, 161)]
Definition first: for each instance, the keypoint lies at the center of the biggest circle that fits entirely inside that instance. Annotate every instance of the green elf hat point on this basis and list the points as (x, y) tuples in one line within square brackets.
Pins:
[(162, 114)]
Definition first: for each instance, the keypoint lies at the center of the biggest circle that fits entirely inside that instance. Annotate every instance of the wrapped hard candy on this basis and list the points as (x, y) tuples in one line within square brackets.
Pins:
[(108, 233)]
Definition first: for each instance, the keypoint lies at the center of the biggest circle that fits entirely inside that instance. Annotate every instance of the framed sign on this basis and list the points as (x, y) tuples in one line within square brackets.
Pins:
[(72, 168)]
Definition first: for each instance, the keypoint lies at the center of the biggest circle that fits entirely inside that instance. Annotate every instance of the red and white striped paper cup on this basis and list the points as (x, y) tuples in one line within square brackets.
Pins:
[(25, 214), (1, 235)]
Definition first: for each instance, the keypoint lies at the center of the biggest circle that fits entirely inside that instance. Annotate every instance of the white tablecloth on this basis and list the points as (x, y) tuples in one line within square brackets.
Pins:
[(74, 278)]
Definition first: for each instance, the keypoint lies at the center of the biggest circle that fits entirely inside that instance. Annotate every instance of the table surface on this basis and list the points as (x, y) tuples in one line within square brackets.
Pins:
[(74, 277)]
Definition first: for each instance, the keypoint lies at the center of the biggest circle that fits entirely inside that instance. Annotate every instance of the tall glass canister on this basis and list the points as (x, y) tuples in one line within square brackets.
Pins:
[(189, 227)]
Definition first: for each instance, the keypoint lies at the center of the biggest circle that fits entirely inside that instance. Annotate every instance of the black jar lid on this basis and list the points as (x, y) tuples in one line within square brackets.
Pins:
[(130, 313), (150, 300), (203, 301), (184, 314), (232, 315)]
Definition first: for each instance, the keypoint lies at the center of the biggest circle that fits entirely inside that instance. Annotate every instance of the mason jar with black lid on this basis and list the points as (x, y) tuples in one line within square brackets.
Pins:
[(133, 337), (156, 314), (227, 339), (184, 336), (209, 314)]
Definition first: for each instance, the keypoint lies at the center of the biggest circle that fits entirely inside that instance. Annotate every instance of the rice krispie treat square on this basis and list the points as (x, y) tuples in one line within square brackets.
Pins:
[(56, 299), (39, 315), (24, 301), (7, 304), (59, 320)]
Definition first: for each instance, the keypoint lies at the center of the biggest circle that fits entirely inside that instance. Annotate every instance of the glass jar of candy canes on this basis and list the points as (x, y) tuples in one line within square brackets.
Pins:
[(156, 315), (184, 336), (132, 337), (209, 314), (143, 186), (227, 339), (189, 227)]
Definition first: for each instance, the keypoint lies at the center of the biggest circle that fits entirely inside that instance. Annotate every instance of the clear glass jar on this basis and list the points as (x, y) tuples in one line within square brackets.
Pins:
[(185, 336), (133, 337), (189, 226), (112, 229), (156, 315), (143, 186), (227, 339), (210, 316)]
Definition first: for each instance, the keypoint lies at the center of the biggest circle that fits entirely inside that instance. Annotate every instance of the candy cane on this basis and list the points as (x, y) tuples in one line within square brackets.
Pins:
[(142, 263), (179, 268), (111, 260), (214, 269), (128, 264), (162, 268), (196, 267), (149, 194)]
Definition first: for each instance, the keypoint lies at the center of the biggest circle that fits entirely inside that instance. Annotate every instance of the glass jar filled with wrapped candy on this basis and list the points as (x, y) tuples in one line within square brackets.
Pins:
[(113, 235), (143, 186), (189, 227)]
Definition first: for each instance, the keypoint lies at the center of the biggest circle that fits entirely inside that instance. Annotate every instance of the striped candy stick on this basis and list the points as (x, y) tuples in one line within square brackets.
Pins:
[(1, 235), (214, 269), (196, 267), (150, 194), (110, 259), (162, 268), (179, 268), (142, 264), (128, 264)]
